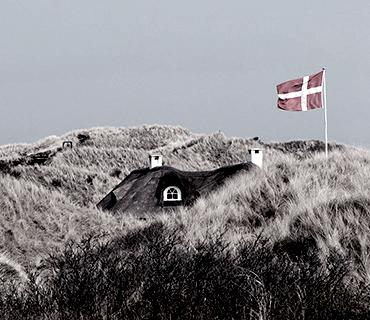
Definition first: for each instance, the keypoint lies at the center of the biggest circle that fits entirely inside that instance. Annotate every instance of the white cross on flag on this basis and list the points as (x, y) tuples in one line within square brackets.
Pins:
[(301, 94)]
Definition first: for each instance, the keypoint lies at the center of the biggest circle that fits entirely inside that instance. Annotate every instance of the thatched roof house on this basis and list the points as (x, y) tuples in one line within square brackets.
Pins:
[(157, 187)]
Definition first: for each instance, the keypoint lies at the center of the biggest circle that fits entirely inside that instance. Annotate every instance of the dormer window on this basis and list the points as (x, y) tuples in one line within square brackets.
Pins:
[(172, 194)]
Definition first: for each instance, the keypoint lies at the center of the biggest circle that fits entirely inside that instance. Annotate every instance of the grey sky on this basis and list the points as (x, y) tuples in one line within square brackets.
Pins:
[(205, 64)]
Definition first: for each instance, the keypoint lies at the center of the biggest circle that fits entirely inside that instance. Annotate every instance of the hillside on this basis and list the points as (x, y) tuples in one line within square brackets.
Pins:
[(299, 203)]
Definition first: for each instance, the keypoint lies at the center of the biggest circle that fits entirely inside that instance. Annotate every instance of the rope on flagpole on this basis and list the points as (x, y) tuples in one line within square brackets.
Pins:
[(325, 112)]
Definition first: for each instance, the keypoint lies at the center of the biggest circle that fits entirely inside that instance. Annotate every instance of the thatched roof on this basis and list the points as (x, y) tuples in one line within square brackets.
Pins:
[(142, 190)]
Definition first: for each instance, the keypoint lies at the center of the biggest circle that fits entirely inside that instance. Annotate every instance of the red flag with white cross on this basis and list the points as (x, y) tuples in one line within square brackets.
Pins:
[(301, 94), (304, 94)]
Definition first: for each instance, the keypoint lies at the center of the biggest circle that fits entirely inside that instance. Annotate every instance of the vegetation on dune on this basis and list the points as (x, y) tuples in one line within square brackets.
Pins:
[(290, 241), (151, 273)]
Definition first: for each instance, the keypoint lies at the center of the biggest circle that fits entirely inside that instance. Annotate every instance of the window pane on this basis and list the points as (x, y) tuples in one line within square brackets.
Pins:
[(172, 194)]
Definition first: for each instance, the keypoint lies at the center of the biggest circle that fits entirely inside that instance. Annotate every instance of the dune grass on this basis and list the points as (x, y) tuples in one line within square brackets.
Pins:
[(290, 241)]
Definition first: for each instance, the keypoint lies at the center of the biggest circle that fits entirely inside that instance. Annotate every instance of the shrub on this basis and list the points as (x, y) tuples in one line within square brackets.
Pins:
[(150, 274)]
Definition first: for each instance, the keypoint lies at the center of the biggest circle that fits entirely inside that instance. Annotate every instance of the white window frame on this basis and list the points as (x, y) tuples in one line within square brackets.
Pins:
[(165, 194)]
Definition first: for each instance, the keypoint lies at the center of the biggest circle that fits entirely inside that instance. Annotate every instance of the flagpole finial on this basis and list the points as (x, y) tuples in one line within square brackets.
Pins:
[(323, 68)]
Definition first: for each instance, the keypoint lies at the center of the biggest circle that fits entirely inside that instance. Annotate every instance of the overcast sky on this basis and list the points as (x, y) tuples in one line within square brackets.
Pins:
[(207, 65)]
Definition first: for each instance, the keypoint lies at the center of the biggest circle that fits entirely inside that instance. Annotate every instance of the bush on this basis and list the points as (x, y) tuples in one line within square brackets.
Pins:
[(150, 274)]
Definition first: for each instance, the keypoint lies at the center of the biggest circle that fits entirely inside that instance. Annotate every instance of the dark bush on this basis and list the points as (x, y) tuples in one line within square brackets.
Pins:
[(151, 274), (115, 173), (56, 182), (83, 137)]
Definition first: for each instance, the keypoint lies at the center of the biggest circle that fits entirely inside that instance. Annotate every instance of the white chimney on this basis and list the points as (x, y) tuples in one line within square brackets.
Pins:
[(255, 155), (155, 160)]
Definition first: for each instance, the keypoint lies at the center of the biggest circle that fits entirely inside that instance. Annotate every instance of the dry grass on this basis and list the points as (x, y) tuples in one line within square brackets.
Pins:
[(43, 205), (299, 202)]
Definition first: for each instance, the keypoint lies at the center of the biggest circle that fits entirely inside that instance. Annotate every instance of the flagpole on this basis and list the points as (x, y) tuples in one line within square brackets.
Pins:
[(325, 112)]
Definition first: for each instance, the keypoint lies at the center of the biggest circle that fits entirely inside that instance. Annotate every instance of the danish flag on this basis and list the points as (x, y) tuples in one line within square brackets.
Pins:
[(301, 94)]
